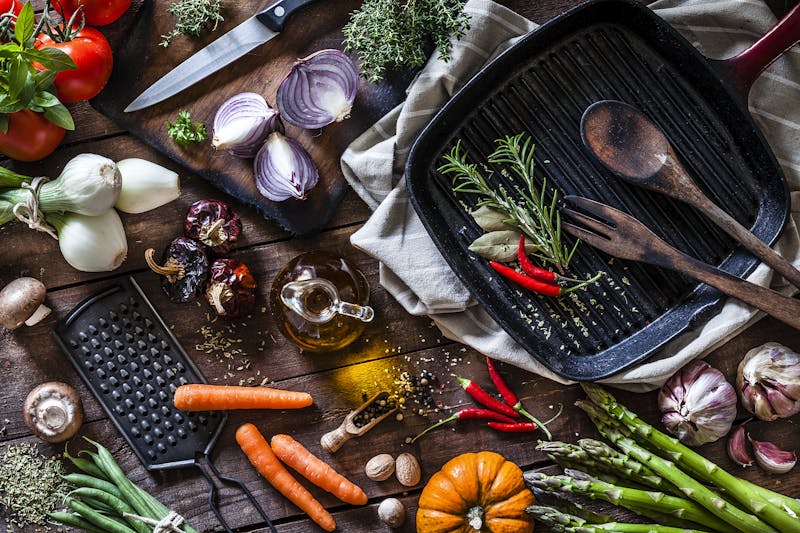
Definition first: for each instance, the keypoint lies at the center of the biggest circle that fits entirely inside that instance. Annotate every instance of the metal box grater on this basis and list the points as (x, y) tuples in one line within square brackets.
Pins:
[(133, 364)]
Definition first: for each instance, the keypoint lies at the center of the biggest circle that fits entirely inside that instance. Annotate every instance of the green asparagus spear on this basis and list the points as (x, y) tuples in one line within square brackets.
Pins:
[(641, 502), (693, 489), (773, 508), (567, 523)]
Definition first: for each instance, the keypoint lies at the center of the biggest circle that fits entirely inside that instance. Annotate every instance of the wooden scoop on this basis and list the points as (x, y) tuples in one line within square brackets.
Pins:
[(630, 145), (333, 440)]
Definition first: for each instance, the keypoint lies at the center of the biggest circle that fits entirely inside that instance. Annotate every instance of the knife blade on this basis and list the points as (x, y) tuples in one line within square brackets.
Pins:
[(245, 37)]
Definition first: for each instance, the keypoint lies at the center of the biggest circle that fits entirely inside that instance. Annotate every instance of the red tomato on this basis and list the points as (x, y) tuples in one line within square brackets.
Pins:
[(14, 6), (97, 12), (30, 136), (92, 54)]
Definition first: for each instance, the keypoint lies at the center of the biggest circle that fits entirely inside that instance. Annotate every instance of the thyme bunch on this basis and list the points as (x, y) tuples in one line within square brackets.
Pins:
[(194, 17), (394, 33), (528, 210)]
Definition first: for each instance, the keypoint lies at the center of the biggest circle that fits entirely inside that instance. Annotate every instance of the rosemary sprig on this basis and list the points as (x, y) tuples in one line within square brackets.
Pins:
[(531, 214)]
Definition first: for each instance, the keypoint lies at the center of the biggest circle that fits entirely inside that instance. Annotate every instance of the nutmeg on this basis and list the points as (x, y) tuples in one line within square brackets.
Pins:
[(408, 470), (380, 467)]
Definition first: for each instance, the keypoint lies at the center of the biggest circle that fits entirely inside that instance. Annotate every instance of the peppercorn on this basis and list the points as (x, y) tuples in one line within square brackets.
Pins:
[(231, 289), (184, 269), (213, 223)]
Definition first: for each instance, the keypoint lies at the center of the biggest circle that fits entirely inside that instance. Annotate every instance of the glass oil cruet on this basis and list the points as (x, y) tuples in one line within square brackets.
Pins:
[(319, 301)]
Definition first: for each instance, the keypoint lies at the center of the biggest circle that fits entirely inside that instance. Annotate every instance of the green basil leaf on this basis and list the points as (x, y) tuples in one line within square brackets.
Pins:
[(28, 91), (11, 107), (26, 22), (51, 59), (59, 115), (46, 99), (18, 74), (44, 78), (4, 123)]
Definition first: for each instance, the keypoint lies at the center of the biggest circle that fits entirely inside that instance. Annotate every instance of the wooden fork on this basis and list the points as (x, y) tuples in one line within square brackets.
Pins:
[(619, 234)]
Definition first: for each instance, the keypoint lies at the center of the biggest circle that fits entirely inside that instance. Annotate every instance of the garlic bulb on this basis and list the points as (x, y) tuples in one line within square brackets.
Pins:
[(769, 381), (698, 404), (91, 244), (145, 186), (242, 123)]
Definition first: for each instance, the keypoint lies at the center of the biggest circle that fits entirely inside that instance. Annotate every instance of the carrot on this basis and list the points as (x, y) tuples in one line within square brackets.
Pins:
[(316, 470), (201, 397), (261, 456)]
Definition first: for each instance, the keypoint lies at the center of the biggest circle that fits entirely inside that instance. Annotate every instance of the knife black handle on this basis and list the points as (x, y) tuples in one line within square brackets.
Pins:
[(274, 17)]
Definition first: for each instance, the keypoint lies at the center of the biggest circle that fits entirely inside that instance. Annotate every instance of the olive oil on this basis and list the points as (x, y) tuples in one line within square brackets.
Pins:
[(311, 298)]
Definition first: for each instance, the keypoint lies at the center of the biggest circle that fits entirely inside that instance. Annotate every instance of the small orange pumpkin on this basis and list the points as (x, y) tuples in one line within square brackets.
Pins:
[(476, 492)]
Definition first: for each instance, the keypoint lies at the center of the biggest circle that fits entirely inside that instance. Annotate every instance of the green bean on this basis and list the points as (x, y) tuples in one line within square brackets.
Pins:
[(97, 505), (83, 480), (86, 466), (114, 504), (93, 517), (72, 520)]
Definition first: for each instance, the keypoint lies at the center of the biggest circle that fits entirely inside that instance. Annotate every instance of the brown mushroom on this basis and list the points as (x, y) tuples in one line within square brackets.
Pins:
[(53, 411), (22, 302)]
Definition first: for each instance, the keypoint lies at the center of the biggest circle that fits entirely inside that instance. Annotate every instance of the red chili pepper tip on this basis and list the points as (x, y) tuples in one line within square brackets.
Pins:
[(486, 399), (532, 270), (519, 427), (524, 281)]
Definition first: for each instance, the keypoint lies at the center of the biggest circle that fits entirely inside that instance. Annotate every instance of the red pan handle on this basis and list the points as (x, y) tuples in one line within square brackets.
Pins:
[(742, 69)]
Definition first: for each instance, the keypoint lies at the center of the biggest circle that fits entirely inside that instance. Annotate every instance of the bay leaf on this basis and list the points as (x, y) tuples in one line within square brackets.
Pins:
[(500, 246), (490, 219)]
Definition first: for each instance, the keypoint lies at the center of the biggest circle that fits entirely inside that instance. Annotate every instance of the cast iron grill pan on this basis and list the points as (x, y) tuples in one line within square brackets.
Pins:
[(603, 50), (133, 364)]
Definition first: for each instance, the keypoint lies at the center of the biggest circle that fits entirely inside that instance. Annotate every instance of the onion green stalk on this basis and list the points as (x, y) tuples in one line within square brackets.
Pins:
[(91, 244), (778, 510), (9, 178), (88, 185), (145, 186)]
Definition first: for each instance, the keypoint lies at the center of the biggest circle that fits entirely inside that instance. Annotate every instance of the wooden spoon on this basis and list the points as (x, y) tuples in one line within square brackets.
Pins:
[(631, 146)]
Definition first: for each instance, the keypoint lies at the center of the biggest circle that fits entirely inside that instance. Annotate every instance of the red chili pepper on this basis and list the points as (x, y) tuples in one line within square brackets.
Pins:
[(470, 413), (510, 398), (519, 427), (524, 281), (486, 399), (532, 270)]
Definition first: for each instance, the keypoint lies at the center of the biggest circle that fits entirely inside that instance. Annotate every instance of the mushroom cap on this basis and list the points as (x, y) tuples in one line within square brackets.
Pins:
[(19, 300), (64, 395)]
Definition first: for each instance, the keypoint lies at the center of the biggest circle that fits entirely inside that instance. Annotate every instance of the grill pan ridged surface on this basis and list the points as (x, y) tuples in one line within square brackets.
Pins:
[(606, 50), (133, 364)]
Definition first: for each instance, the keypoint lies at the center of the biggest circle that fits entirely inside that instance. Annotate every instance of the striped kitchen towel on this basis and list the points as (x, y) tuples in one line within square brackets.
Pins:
[(413, 270)]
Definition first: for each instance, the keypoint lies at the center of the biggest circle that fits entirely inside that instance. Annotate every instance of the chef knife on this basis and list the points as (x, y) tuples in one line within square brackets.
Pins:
[(248, 35)]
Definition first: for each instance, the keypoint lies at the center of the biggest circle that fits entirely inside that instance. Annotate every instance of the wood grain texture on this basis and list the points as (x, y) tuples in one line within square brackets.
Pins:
[(392, 343)]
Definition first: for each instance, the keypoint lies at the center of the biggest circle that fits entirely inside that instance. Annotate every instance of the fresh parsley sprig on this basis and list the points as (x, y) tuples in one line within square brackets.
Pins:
[(184, 132), (528, 210)]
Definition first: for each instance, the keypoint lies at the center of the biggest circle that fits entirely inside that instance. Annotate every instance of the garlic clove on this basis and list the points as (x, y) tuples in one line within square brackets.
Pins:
[(771, 458), (737, 447)]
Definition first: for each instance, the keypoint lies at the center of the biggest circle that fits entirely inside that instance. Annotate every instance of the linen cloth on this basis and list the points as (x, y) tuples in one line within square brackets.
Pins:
[(415, 273)]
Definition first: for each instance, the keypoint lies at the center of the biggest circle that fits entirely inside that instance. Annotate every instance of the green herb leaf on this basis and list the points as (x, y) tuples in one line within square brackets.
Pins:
[(45, 99), (44, 78), (60, 116), (18, 74), (184, 132), (51, 59), (499, 246), (193, 18), (26, 22), (4, 122)]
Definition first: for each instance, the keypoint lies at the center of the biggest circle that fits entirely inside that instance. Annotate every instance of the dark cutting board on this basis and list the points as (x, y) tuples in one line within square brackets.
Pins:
[(139, 61)]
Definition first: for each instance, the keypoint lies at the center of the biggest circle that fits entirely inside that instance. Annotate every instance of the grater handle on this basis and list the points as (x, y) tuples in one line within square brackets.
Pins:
[(212, 494)]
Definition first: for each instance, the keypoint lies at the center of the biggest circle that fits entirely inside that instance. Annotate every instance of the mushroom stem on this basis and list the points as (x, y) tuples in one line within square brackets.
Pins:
[(40, 314)]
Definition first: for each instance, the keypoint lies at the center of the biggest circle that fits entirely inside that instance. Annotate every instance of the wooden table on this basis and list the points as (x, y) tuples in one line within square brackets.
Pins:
[(393, 343)]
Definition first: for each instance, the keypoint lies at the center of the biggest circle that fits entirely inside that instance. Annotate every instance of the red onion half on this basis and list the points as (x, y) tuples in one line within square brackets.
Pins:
[(242, 123), (319, 89), (283, 169)]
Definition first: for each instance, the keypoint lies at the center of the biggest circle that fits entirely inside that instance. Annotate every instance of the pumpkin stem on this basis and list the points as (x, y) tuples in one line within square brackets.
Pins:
[(475, 518)]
